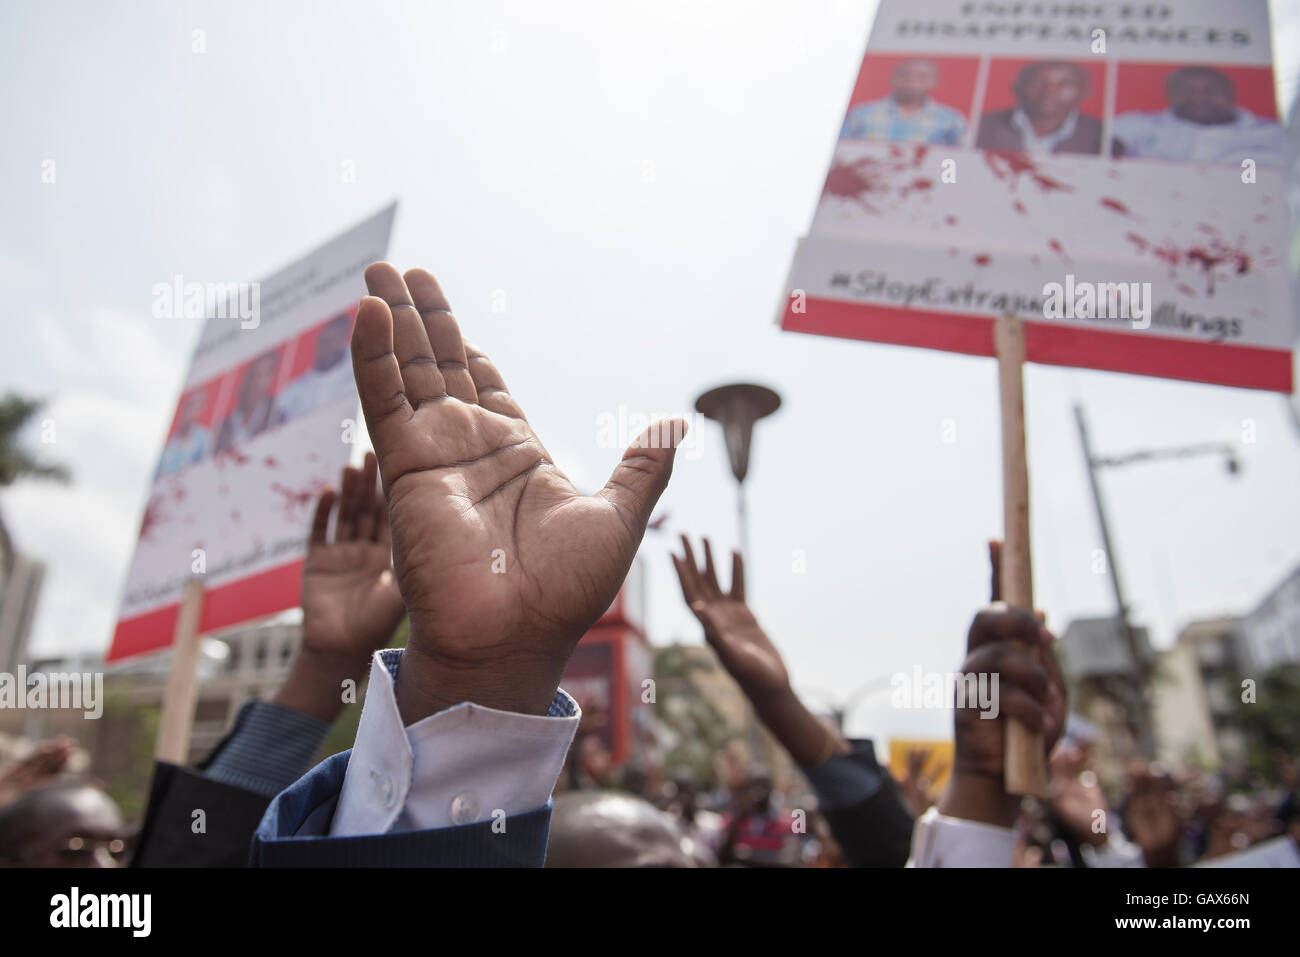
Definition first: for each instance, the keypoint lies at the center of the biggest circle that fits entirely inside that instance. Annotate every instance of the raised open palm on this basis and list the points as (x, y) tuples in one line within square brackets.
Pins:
[(729, 626), (502, 563), (350, 601)]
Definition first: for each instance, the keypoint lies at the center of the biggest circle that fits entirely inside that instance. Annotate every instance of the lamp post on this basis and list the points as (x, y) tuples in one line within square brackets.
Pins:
[(1138, 711), (737, 408)]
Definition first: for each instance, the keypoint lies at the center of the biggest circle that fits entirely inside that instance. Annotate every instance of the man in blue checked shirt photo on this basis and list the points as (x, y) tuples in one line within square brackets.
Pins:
[(908, 114)]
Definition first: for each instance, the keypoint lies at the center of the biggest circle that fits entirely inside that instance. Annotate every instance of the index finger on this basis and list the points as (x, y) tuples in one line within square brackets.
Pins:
[(378, 375)]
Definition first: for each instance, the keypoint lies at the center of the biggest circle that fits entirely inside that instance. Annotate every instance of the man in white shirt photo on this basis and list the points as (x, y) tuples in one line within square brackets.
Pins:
[(328, 379), (189, 443), (1203, 124)]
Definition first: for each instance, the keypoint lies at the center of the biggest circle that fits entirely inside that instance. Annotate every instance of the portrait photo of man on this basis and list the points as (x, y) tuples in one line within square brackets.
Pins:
[(254, 403), (1203, 123), (1046, 117), (328, 379), (909, 114), (189, 442)]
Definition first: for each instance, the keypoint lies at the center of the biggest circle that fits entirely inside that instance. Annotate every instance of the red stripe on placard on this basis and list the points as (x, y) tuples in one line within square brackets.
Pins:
[(1248, 367), (225, 606)]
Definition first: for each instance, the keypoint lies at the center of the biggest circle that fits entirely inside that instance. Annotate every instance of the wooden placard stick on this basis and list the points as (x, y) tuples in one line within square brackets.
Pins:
[(182, 689), (1025, 766)]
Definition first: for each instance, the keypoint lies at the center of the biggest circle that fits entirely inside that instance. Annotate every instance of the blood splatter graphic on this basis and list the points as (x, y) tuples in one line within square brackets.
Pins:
[(270, 462), (295, 500), (982, 259), (1214, 259), (234, 455), (1110, 202), (856, 181), (154, 515), (950, 220), (1011, 167), (1055, 246), (1019, 207), (872, 180), (234, 515)]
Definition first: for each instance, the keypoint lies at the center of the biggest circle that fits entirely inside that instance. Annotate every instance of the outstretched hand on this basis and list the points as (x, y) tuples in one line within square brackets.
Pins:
[(730, 627), (350, 602), (751, 658), (502, 563)]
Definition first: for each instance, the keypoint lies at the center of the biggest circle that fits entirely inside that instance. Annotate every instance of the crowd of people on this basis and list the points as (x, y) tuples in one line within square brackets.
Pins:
[(465, 732)]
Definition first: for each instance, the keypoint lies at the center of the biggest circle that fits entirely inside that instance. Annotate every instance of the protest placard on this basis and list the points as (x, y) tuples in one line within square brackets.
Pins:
[(267, 416)]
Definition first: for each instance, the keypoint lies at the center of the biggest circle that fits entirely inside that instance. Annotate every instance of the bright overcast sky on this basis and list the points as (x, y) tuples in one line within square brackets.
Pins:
[(633, 176)]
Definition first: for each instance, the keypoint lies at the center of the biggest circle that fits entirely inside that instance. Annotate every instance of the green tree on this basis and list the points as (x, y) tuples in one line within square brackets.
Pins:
[(1271, 723), (15, 461)]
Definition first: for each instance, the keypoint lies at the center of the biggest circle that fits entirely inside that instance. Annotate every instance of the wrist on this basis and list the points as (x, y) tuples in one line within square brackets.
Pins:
[(979, 797), (314, 685), (810, 740), (427, 684)]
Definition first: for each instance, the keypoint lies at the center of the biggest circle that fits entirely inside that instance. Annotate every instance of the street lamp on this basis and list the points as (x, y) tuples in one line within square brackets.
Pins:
[(1139, 713), (737, 408)]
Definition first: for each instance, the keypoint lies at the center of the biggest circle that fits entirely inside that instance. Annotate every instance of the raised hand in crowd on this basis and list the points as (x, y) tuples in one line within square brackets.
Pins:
[(749, 656), (502, 566), (859, 798), (1076, 797), (1153, 815), (350, 602), (351, 607), (502, 562), (916, 783), (37, 769)]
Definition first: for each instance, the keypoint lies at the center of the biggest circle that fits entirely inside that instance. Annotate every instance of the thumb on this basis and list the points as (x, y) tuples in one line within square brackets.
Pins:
[(641, 477)]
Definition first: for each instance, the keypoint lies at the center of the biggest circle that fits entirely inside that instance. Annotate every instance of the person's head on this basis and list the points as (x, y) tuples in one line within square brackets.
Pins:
[(1050, 90), (1201, 94), (332, 342), (912, 81), (686, 795), (259, 380), (62, 825), (755, 796), (609, 829), (635, 780)]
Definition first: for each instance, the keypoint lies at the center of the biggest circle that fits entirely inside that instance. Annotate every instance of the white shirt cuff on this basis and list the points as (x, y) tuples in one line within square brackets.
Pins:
[(939, 841), (464, 765)]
